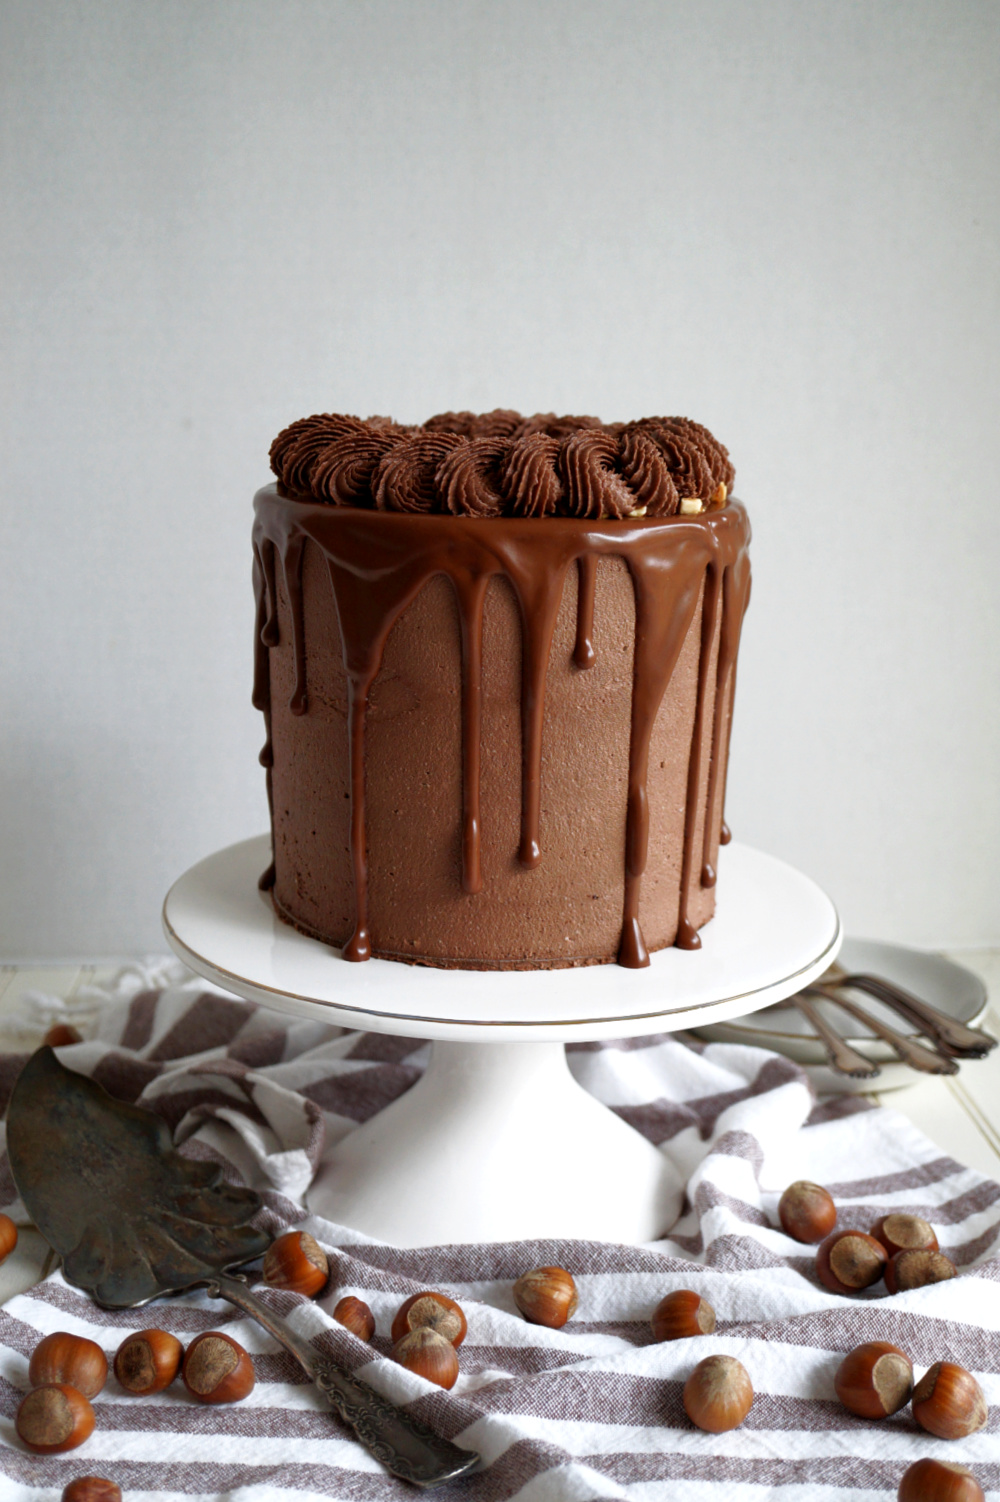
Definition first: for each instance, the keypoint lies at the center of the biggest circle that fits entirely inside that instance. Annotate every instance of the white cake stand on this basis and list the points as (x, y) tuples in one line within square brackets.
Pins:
[(496, 1141)]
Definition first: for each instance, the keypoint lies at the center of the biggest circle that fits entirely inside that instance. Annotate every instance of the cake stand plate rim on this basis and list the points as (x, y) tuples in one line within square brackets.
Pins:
[(224, 929)]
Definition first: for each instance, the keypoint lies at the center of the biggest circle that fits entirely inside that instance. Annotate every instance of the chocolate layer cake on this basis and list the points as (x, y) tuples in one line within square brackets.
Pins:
[(496, 659)]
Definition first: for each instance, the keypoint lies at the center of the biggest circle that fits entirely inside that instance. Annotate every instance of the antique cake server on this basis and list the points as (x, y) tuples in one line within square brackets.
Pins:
[(132, 1220)]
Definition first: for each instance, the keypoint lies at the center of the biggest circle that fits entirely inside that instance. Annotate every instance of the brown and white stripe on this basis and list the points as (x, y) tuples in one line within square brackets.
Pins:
[(590, 1411)]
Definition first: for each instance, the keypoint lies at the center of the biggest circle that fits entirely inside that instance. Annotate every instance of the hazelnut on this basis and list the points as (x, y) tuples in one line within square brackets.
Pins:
[(429, 1355), (900, 1232), (718, 1394), (431, 1311), (61, 1034), (91, 1489), (148, 1362), (54, 1418), (691, 506), (939, 1481), (355, 1315), (806, 1211), (916, 1269), (874, 1380), (64, 1358), (720, 494), (8, 1237), (949, 1402), (849, 1260), (296, 1261), (217, 1369), (546, 1296), (680, 1314)]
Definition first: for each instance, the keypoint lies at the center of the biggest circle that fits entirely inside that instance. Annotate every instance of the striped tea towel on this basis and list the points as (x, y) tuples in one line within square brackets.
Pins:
[(591, 1411)]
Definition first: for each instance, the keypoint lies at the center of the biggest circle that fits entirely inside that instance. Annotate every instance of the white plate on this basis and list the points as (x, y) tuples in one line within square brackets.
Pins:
[(949, 987)]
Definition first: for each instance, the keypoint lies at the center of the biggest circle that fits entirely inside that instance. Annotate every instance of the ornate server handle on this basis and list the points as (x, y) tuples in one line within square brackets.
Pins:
[(404, 1445)]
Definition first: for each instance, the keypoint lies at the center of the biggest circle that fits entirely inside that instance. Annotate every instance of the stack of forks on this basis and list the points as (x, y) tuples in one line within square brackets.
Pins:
[(947, 1039)]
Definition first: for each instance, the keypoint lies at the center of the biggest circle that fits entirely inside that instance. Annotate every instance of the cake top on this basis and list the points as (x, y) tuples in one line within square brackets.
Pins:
[(503, 464)]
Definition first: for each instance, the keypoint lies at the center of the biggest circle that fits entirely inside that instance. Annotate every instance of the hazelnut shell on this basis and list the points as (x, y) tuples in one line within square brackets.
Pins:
[(8, 1237), (908, 1270), (297, 1262), (546, 1296), (807, 1212), (949, 1402), (718, 1395), (54, 1418), (72, 1359), (61, 1035), (681, 1314), (217, 1369), (429, 1355), (848, 1261), (930, 1480), (874, 1380), (148, 1361), (355, 1315), (91, 1489), (431, 1311), (901, 1232)]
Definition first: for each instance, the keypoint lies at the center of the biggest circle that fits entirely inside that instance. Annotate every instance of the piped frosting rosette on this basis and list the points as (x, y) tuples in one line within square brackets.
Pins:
[(502, 464)]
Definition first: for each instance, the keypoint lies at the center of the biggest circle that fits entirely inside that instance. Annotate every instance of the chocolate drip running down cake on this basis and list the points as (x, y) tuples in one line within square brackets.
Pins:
[(496, 658)]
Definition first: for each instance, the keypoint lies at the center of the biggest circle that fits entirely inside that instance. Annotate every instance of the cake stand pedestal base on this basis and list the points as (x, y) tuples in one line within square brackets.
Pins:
[(502, 1138), (497, 1141)]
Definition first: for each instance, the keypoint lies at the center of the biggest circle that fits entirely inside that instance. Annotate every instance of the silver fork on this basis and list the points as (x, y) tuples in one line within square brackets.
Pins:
[(954, 1036), (842, 1057), (928, 1061)]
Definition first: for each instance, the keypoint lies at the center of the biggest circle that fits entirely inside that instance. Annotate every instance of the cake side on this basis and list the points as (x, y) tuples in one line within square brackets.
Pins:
[(567, 910), (594, 737)]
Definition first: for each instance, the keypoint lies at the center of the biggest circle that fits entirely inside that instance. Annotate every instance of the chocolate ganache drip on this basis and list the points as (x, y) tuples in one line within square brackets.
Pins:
[(572, 491), (503, 464)]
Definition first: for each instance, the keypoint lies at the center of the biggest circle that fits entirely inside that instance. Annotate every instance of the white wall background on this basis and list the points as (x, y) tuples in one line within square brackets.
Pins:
[(778, 218)]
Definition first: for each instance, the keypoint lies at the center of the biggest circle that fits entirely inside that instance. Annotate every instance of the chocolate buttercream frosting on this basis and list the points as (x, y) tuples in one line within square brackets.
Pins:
[(503, 464), (459, 496)]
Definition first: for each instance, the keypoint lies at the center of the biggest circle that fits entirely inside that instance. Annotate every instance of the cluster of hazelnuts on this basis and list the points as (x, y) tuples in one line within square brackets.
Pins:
[(873, 1381), (68, 1414), (876, 1379), (429, 1327), (67, 1371), (718, 1394), (900, 1248)]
